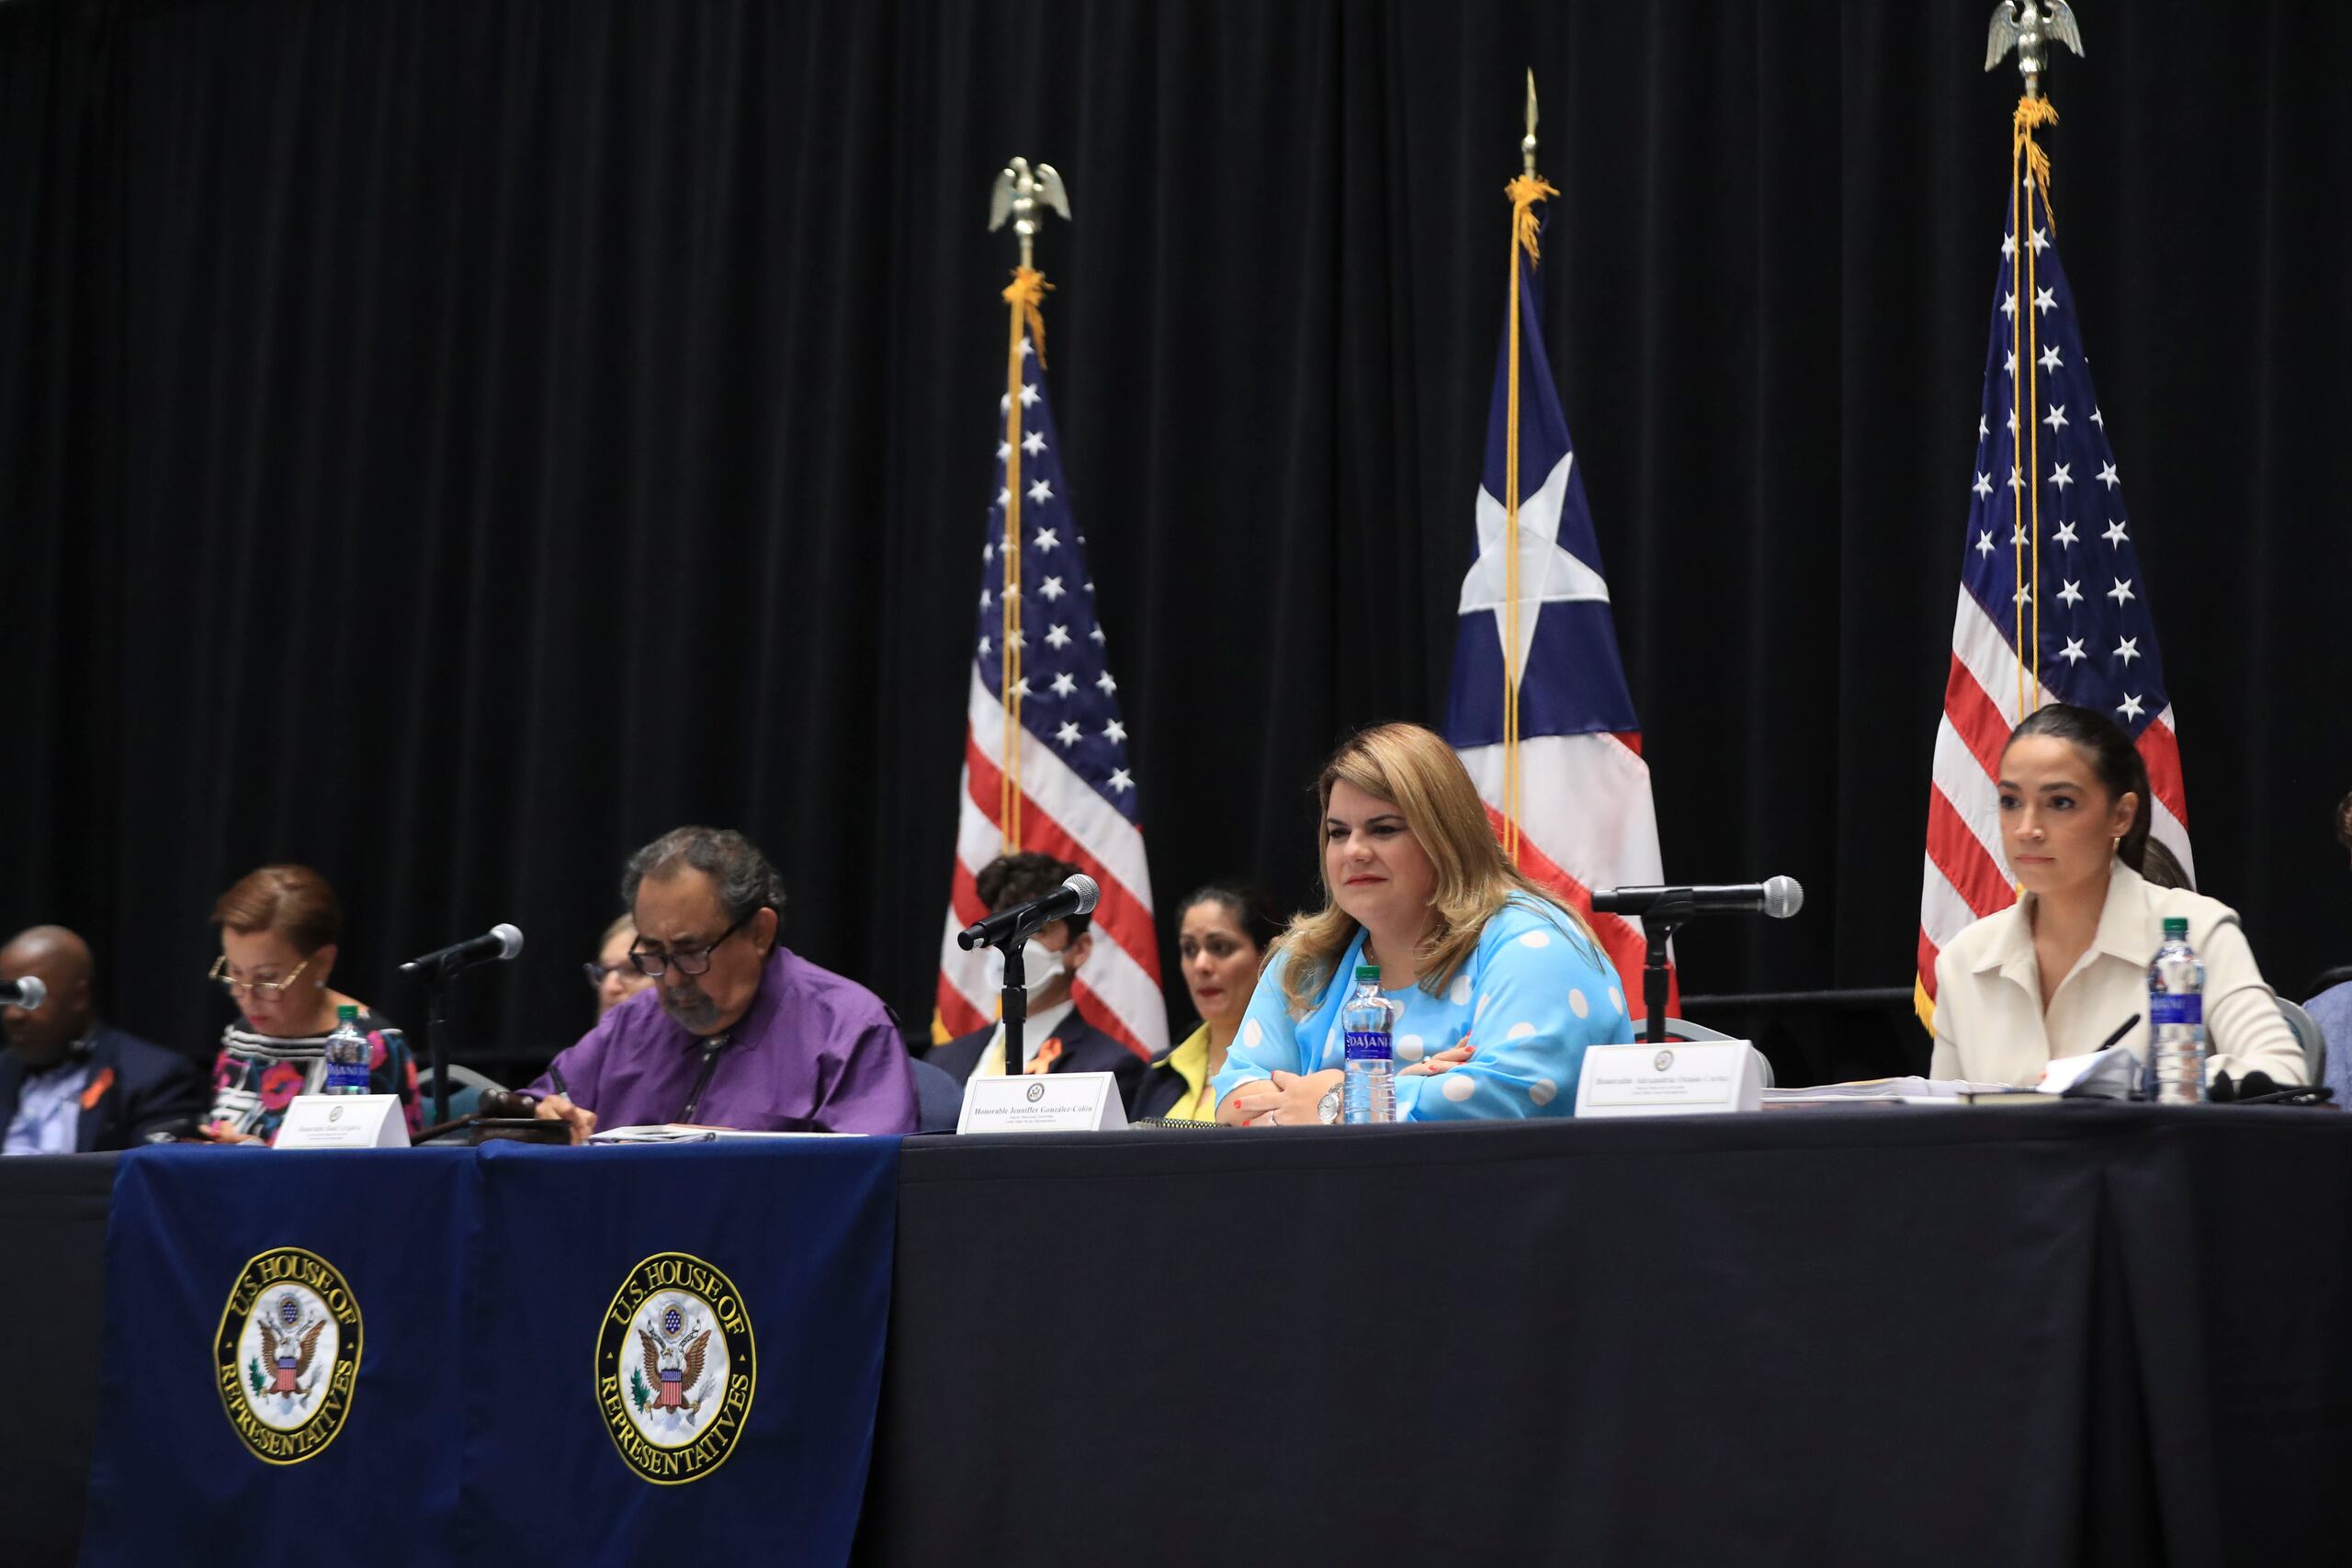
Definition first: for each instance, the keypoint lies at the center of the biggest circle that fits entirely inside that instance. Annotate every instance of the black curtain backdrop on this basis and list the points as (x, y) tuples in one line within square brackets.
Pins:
[(449, 443)]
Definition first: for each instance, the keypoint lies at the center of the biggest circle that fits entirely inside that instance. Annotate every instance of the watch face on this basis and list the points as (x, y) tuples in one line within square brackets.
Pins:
[(1328, 1110)]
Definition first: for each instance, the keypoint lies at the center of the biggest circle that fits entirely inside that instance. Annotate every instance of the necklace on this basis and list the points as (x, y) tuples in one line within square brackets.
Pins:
[(1372, 957)]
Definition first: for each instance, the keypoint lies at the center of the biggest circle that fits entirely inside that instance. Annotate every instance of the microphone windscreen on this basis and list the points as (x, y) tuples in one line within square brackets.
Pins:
[(32, 990), (510, 939), (1782, 897), (1083, 885)]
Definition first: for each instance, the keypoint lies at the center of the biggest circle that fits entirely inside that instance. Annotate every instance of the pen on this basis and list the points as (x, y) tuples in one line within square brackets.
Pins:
[(2120, 1031), (555, 1073)]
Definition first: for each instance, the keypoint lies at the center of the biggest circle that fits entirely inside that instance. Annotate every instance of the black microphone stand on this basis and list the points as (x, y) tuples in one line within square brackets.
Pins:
[(1015, 1002), (436, 979), (1659, 922), (436, 1042)]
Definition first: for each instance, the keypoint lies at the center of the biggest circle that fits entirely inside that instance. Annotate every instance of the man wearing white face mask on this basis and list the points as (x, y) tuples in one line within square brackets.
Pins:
[(1057, 1038)]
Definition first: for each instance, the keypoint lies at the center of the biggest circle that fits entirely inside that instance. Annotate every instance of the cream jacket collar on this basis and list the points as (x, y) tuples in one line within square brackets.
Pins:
[(2122, 931)]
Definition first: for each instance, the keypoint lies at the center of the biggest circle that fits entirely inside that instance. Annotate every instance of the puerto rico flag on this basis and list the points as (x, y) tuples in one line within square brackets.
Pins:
[(1584, 814)]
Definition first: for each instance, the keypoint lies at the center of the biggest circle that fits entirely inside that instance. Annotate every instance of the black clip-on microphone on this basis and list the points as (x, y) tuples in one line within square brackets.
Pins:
[(2258, 1088)]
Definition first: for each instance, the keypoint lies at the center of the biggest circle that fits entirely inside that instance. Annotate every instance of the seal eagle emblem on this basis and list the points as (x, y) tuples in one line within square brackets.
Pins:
[(286, 1357), (675, 1368)]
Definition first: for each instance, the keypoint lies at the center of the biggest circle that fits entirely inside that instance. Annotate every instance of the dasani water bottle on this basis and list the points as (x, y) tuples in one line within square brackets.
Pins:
[(2176, 1020), (1369, 1091), (346, 1055)]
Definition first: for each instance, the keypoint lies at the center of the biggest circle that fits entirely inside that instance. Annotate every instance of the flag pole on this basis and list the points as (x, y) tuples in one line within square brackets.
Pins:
[(1525, 191), (2030, 31), (1016, 196)]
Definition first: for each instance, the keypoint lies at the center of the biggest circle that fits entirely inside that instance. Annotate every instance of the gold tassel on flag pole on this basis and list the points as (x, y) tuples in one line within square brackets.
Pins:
[(1016, 196), (2028, 31), (1525, 191)]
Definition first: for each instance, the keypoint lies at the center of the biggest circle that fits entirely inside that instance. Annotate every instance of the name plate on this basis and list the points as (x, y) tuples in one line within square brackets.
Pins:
[(344, 1122), (1681, 1078), (1048, 1103)]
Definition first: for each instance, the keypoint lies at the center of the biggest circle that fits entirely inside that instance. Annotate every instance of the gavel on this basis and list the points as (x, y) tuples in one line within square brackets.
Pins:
[(503, 1113)]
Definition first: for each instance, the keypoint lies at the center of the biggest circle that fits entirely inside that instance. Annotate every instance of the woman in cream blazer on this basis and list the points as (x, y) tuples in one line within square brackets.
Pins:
[(2054, 974)]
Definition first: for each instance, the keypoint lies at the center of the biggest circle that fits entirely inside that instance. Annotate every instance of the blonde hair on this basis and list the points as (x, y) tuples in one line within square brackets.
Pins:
[(1415, 771)]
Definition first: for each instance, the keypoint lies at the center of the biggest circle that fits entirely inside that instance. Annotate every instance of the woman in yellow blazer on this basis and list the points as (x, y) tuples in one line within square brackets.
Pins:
[(1224, 931), (2055, 973)]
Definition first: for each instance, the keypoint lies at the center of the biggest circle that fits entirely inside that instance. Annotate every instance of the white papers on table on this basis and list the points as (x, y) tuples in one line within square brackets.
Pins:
[(2112, 1073), (686, 1133), (1911, 1091), (2101, 1074)]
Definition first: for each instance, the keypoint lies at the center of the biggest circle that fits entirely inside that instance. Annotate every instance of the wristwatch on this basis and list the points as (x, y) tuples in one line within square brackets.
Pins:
[(1326, 1110)]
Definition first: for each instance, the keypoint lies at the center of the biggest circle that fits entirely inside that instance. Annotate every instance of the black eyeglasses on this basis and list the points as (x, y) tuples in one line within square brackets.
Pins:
[(688, 961), (599, 973)]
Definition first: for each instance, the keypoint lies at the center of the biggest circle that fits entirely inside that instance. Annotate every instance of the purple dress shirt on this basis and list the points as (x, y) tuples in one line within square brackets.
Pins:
[(816, 1053)]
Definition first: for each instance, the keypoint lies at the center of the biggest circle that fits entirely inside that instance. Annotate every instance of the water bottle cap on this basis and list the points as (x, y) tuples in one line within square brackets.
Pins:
[(1367, 971), (345, 1012), (2176, 929)]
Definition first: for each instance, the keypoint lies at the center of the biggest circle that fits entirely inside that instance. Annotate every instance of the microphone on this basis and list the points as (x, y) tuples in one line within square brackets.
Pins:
[(500, 941), (1780, 897), (1074, 897), (28, 993)]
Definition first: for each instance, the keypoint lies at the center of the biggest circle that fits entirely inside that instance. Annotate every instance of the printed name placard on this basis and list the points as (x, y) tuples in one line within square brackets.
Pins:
[(1681, 1078), (344, 1122), (1048, 1103)]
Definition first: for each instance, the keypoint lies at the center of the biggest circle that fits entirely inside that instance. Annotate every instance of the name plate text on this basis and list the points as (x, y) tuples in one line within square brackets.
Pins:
[(1048, 1103), (344, 1122), (1681, 1078)]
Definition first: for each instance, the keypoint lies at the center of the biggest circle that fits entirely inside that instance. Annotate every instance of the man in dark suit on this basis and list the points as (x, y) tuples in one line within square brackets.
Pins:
[(1056, 1037), (70, 1083)]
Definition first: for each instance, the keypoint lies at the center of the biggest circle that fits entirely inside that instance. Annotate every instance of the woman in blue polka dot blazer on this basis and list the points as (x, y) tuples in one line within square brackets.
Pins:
[(1499, 986)]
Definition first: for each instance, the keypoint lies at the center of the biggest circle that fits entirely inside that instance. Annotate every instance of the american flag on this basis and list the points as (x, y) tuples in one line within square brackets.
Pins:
[(1071, 793), (2079, 597), (1583, 811)]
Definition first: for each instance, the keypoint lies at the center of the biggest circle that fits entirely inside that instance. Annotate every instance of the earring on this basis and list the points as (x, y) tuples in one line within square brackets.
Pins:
[(2115, 844)]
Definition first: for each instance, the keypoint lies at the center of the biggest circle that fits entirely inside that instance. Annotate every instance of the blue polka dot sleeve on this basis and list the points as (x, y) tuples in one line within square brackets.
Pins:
[(1267, 1038), (1539, 992)]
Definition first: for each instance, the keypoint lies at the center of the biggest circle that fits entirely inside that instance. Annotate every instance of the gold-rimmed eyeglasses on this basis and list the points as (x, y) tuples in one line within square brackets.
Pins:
[(271, 988)]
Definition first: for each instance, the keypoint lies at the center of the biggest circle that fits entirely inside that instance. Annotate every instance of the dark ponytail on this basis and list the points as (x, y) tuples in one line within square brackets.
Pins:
[(2112, 757)]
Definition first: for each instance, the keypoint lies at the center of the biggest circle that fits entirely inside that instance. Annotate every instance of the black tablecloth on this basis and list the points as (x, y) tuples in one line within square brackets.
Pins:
[(2060, 1335), (2080, 1334), (52, 1242)]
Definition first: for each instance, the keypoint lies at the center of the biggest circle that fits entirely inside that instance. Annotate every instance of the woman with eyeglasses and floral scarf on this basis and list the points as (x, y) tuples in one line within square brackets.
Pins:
[(279, 927)]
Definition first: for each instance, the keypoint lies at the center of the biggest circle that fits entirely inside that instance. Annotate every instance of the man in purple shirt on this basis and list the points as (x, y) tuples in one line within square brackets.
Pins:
[(735, 1031)]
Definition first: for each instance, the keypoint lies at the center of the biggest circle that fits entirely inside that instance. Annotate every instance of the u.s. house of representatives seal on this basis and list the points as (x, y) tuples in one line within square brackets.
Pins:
[(287, 1354), (675, 1368)]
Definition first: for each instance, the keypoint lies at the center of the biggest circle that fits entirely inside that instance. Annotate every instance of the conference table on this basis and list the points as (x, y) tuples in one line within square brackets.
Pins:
[(2083, 1333)]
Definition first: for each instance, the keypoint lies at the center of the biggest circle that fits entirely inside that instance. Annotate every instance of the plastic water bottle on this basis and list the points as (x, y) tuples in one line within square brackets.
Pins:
[(2176, 1020), (1369, 1092), (346, 1055)]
